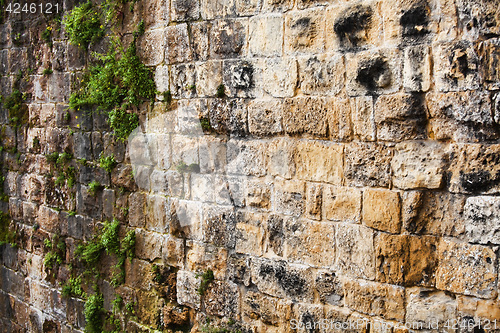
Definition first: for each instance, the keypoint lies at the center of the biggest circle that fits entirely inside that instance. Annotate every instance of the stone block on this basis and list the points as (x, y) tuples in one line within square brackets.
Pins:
[(314, 201), (461, 116), (136, 212), (222, 299), (183, 77), (427, 306), (400, 117), (157, 213), (228, 116), (289, 197), (279, 78), (304, 316), (489, 54), (418, 165), (258, 194), (59, 88), (368, 164), (48, 219), (306, 116), (151, 46), (355, 253), (148, 245), (467, 269), (353, 27), (228, 38), (341, 204), (330, 287), (478, 308), (373, 72), (187, 219), (264, 117), (363, 123), (187, 286), (270, 310), (202, 188), (321, 162), (321, 74), (474, 169), (310, 242), (387, 219), (215, 9), (184, 149), (208, 78), (247, 7), (199, 40), (249, 239), (201, 256), (282, 280), (423, 261), (245, 158), (304, 31), (417, 69), (219, 225), (212, 153), (265, 37), (456, 66), (277, 5), (274, 229), (185, 10), (375, 299), (280, 158), (482, 220), (242, 78), (173, 251), (177, 48)]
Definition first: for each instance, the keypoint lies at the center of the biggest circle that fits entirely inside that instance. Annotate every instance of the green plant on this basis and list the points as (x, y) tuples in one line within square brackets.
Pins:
[(7, 235), (52, 157), (73, 288), (108, 163), (167, 97), (205, 125), (94, 312), (94, 186), (183, 167), (14, 103), (206, 278), (83, 25), (47, 71), (221, 91), (47, 35)]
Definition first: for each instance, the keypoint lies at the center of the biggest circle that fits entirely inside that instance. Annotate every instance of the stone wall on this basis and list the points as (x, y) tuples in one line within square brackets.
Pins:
[(350, 172)]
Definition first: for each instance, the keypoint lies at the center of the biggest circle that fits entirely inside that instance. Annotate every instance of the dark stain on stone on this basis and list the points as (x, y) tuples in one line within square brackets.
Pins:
[(243, 76), (302, 23), (414, 22), (374, 74), (478, 181), (290, 282), (308, 320), (352, 24)]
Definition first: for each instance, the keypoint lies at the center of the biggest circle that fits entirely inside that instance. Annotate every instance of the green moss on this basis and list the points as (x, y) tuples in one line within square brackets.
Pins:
[(7, 234), (108, 163), (167, 97), (94, 312), (221, 91), (183, 167), (55, 255), (84, 25), (94, 186), (47, 71), (205, 125), (18, 111), (47, 36), (206, 278)]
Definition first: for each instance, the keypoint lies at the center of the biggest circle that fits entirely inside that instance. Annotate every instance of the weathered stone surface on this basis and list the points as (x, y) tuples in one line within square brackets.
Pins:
[(482, 220), (368, 164), (300, 247), (314, 201), (306, 116), (280, 159), (177, 48), (467, 269), (242, 78), (222, 299), (321, 74), (417, 69), (249, 239), (269, 310), (304, 31), (265, 35), (282, 280), (456, 66), (400, 117), (258, 195), (280, 76), (426, 306), (363, 123), (228, 38), (375, 299), (148, 245), (478, 308), (187, 285), (412, 168), (341, 204), (264, 117), (289, 197), (469, 173), (387, 219), (218, 226), (355, 258), (211, 9), (317, 161), (185, 10), (208, 78), (372, 72), (245, 158), (151, 47), (461, 116)]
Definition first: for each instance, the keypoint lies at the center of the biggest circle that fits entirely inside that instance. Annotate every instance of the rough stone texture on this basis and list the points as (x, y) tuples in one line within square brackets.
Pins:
[(349, 171), (467, 269)]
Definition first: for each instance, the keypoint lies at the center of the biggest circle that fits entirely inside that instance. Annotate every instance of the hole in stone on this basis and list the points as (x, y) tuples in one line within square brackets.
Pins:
[(374, 73), (414, 21)]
